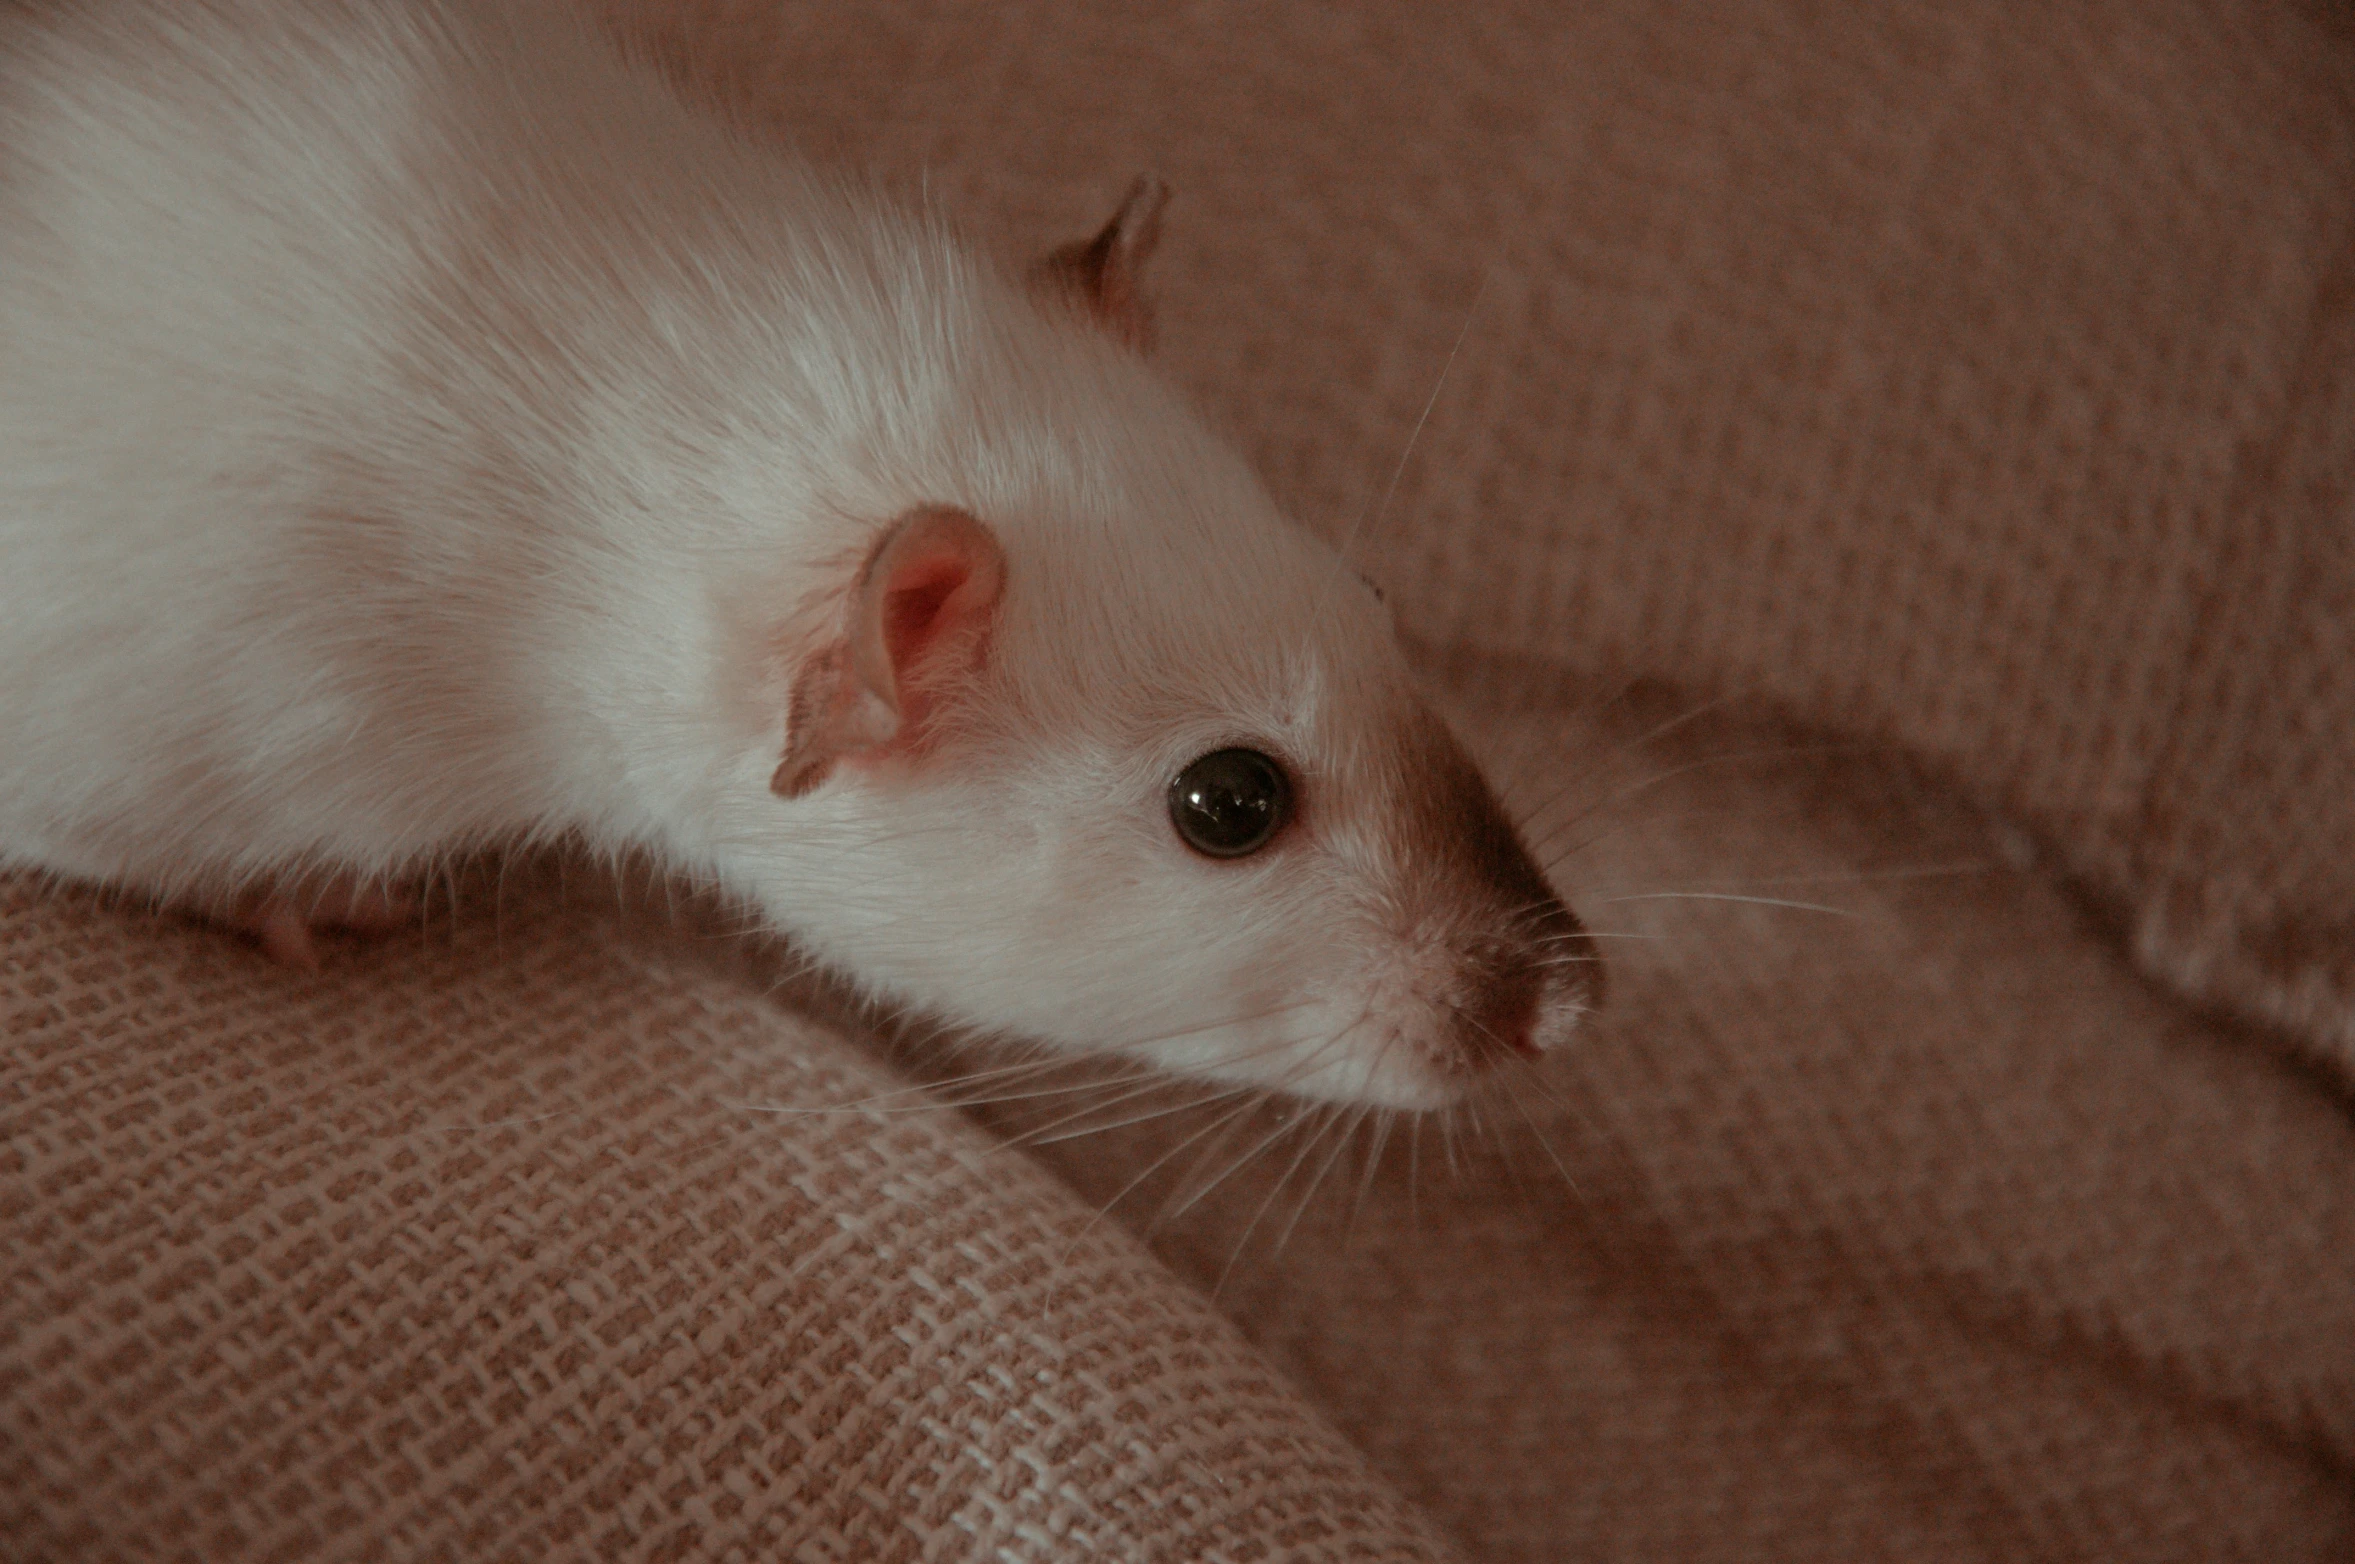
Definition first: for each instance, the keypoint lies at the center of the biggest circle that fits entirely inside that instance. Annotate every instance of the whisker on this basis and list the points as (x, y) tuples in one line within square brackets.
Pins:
[(1246, 1113), (1611, 934), (945, 1093), (1251, 1098), (1593, 767), (928, 1090), (1560, 962), (1341, 1141), (1143, 1086), (1502, 1157), (1545, 1141), (1540, 848), (1307, 1144), (1138, 1083), (1843, 877), (1189, 1105), (1171, 1214), (1362, 525), (1142, 1081), (1285, 1125), (1754, 901), (1414, 1167), (1383, 1121), (1531, 734)]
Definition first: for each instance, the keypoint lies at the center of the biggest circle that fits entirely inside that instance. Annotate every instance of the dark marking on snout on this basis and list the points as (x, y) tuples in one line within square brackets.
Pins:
[(1519, 943)]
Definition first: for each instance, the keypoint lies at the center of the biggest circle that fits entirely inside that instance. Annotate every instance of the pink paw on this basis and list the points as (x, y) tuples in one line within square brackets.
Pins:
[(287, 919)]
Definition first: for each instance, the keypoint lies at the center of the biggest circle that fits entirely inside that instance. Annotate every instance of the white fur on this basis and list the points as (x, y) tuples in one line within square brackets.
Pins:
[(418, 429)]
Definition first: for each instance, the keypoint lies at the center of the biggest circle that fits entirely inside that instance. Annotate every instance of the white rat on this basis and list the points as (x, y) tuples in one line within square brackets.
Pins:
[(420, 429)]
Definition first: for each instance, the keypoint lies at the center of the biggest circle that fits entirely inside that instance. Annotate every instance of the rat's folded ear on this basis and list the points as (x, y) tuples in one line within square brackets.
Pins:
[(916, 621), (1102, 275)]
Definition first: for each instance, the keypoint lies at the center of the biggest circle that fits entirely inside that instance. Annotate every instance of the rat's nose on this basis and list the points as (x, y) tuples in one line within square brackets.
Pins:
[(1567, 954), (1501, 1022)]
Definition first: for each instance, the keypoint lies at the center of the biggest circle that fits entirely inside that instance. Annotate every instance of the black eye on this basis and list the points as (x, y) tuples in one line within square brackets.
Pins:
[(1230, 802)]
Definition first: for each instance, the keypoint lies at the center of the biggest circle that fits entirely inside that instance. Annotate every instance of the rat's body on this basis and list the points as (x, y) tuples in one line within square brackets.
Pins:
[(420, 430)]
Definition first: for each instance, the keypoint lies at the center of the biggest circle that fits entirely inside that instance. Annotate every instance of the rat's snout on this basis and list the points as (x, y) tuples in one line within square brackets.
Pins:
[(1524, 994), (1504, 967)]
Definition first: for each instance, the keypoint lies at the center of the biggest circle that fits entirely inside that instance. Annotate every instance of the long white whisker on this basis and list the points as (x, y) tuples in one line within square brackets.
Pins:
[(1274, 1135), (1546, 1142), (1414, 1168), (1138, 1086), (1307, 1144), (1251, 1098), (1532, 734), (1299, 1071), (1587, 772), (1840, 877), (1190, 1105), (1365, 1184), (1544, 845), (1754, 901), (1341, 1141), (1390, 491)]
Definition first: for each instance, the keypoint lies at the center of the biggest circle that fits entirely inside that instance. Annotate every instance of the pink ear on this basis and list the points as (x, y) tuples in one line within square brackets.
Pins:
[(1104, 275), (918, 620), (924, 606)]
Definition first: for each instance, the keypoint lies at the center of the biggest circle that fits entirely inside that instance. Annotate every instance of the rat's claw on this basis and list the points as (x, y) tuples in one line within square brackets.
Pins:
[(284, 933), (286, 921)]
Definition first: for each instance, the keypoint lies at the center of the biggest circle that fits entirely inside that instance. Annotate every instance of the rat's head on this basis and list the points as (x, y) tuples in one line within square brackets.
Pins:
[(1097, 749), (1181, 804)]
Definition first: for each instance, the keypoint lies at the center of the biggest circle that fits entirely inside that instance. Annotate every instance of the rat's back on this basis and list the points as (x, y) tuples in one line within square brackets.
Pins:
[(249, 393), (192, 225)]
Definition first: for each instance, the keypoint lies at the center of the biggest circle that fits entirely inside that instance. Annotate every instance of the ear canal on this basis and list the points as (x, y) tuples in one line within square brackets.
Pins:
[(916, 620), (924, 602), (1103, 275)]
